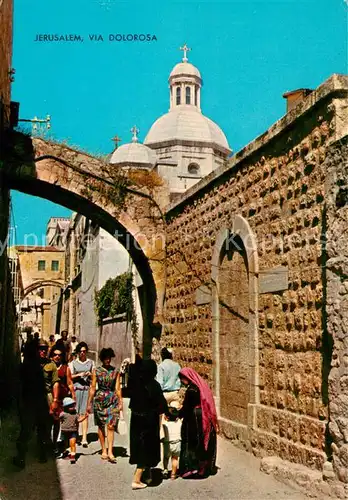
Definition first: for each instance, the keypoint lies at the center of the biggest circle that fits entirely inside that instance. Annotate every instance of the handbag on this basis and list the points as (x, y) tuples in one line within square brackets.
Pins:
[(121, 425)]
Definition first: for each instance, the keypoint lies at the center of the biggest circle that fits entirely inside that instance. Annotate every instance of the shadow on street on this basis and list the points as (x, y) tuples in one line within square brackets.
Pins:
[(37, 480)]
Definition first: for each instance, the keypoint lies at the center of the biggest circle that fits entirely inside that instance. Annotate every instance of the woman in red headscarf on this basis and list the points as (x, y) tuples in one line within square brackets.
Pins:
[(199, 427)]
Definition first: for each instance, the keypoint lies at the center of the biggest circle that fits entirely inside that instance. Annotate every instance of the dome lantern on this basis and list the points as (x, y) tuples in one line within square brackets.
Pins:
[(187, 144), (185, 84)]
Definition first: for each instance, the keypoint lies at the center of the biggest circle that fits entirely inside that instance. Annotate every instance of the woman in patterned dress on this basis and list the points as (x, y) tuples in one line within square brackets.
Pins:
[(107, 401)]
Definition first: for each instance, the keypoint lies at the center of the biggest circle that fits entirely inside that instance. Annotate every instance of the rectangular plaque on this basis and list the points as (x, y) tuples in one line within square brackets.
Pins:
[(274, 280), (203, 295)]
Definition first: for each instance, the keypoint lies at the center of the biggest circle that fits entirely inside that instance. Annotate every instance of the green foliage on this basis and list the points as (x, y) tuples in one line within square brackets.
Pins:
[(116, 297)]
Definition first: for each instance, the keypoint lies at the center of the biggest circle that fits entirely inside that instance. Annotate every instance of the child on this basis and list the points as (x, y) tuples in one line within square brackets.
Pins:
[(171, 441), (69, 425)]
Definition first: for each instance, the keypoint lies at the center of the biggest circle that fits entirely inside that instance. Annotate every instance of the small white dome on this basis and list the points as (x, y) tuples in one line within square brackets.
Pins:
[(133, 154), (185, 68), (188, 124)]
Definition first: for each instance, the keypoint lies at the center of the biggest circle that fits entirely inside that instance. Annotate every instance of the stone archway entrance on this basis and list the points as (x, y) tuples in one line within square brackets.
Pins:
[(235, 325), (234, 331)]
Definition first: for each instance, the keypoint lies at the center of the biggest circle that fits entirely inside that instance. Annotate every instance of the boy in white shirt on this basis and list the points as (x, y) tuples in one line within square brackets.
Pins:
[(171, 441)]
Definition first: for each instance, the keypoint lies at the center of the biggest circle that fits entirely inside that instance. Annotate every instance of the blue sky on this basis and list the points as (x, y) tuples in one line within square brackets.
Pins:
[(249, 54)]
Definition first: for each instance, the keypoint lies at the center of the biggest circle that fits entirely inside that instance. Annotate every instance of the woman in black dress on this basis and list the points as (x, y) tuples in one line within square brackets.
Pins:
[(199, 427), (147, 403)]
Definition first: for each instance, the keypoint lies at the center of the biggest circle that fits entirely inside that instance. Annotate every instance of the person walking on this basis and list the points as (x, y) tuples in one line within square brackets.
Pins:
[(147, 403), (106, 391), (82, 372), (199, 427), (38, 400), (73, 345), (168, 376), (51, 341), (171, 441), (69, 421), (64, 342), (66, 386)]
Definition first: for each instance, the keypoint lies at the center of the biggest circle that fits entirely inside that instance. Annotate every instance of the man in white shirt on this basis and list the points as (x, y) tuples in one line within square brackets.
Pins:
[(168, 376)]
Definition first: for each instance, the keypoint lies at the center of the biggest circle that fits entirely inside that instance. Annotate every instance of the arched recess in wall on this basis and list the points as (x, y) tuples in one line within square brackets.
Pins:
[(235, 322)]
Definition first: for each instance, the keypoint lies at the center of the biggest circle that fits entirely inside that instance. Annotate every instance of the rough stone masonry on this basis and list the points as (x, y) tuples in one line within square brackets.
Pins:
[(257, 286), (337, 302)]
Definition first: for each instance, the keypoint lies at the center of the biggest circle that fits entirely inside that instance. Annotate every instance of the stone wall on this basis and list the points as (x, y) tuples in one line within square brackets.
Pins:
[(273, 348), (7, 317), (337, 302), (8, 348), (117, 335), (5, 60)]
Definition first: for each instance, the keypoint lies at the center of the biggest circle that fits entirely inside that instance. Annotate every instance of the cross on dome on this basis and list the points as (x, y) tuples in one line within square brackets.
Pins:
[(135, 132), (116, 140), (185, 49)]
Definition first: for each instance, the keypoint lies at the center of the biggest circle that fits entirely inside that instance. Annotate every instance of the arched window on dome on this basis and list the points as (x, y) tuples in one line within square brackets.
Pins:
[(188, 95), (178, 96), (196, 95), (193, 169)]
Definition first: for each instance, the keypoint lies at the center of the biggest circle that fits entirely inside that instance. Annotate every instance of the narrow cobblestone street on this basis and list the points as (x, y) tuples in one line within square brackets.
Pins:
[(238, 477)]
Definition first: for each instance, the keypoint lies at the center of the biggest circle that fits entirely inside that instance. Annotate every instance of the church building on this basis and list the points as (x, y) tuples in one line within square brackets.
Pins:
[(182, 145)]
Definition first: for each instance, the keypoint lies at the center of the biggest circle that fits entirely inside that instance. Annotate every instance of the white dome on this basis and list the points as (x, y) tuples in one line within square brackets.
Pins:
[(187, 124), (185, 68), (133, 154)]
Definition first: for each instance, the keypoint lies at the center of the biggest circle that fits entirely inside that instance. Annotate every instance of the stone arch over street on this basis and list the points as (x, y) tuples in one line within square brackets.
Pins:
[(235, 329), (79, 182), (39, 284)]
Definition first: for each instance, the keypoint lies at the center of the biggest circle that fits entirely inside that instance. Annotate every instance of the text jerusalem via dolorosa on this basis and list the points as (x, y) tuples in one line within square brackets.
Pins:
[(118, 37)]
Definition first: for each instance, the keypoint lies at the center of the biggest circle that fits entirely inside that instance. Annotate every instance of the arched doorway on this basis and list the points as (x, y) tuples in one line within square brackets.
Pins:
[(235, 330)]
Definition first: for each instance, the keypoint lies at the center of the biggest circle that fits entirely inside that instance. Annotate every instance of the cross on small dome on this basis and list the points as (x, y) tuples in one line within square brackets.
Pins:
[(116, 140), (135, 132), (185, 49)]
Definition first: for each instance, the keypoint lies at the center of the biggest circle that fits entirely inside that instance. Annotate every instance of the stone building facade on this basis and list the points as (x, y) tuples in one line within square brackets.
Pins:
[(6, 13), (182, 146), (41, 272), (78, 234), (56, 231), (92, 256), (248, 295), (8, 344)]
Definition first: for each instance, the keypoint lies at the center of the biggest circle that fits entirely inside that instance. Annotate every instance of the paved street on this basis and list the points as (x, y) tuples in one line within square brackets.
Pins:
[(91, 478)]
